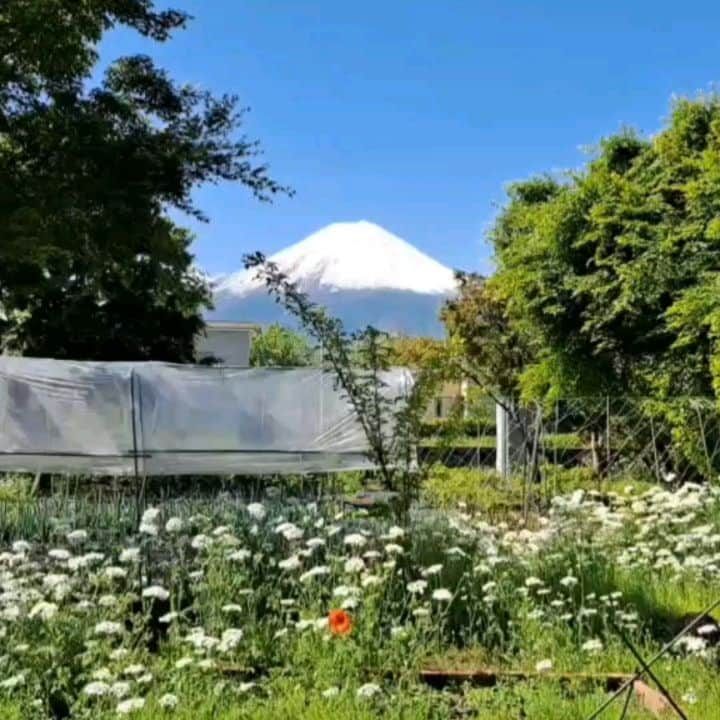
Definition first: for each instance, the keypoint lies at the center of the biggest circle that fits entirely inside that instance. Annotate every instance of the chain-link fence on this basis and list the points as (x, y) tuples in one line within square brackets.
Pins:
[(666, 441)]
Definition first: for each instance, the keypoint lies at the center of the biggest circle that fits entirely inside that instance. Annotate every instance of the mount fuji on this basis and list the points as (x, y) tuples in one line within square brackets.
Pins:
[(360, 272)]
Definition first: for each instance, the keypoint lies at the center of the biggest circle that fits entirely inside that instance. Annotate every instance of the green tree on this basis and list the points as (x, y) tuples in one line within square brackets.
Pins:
[(485, 345), (359, 362), (91, 265), (613, 270), (277, 346)]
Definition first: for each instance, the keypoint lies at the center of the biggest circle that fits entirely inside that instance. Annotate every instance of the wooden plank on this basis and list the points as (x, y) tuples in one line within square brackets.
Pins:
[(652, 700), (487, 677), (649, 698)]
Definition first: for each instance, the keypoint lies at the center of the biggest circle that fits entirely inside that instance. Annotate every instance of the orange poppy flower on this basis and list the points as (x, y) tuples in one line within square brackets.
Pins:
[(340, 622)]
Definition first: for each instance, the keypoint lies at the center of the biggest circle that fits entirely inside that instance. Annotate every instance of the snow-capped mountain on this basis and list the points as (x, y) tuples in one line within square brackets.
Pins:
[(359, 271)]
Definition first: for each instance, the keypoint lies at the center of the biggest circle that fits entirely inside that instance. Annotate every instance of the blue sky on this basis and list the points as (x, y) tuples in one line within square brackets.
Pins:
[(416, 113)]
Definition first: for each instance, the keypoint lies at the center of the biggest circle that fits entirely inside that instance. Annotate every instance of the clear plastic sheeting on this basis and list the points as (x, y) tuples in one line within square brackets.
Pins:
[(160, 419)]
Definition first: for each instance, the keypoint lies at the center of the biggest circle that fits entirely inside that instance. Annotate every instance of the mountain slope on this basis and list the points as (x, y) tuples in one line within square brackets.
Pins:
[(361, 272)]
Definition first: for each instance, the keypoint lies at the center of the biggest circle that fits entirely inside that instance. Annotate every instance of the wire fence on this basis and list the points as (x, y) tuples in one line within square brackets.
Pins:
[(665, 441)]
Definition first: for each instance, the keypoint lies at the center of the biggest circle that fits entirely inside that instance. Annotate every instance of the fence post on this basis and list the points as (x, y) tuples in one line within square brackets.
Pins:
[(502, 449), (607, 436)]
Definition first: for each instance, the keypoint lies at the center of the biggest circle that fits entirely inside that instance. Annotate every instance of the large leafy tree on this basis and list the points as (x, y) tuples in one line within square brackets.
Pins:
[(91, 265), (614, 269), (278, 346)]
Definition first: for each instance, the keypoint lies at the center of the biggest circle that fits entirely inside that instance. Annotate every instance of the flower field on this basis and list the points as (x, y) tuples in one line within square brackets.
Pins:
[(280, 607)]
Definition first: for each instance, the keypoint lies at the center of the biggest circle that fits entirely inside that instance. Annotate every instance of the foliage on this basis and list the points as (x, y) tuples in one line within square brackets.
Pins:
[(277, 346), (359, 362), (488, 348), (416, 352), (91, 265), (451, 590), (613, 271)]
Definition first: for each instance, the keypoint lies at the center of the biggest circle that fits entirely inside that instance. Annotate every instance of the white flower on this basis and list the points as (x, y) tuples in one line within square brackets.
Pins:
[(417, 587), (151, 515), (355, 540), (432, 570), (291, 563), (489, 586), (256, 511), (119, 654), (394, 533), (456, 551), (134, 670), (689, 697), (317, 571), (167, 618), (168, 701), (289, 531), (77, 537), (96, 689), (370, 581), (10, 613), (543, 666), (148, 529), (43, 610), (331, 692), (244, 687), (230, 639), (354, 565), (442, 595), (156, 592), (342, 591), (232, 608), (533, 581), (368, 690), (569, 581), (707, 629), (315, 542), (13, 682), (126, 707), (107, 627), (21, 547), (130, 555), (692, 644), (102, 674), (592, 646), (120, 689), (240, 555), (183, 662), (393, 549), (421, 612), (59, 554), (174, 525), (201, 542), (114, 572)]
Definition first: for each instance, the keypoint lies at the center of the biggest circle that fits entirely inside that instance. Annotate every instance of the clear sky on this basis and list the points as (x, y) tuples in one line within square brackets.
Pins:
[(414, 114)]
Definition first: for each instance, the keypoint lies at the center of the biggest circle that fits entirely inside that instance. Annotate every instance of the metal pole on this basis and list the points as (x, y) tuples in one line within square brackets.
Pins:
[(134, 449), (655, 658), (647, 670), (501, 440), (607, 435)]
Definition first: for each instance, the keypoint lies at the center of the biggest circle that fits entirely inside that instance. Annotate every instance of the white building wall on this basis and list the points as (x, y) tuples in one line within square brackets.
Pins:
[(230, 346)]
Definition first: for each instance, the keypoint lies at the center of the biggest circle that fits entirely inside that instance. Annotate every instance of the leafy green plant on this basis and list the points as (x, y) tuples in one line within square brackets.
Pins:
[(359, 362)]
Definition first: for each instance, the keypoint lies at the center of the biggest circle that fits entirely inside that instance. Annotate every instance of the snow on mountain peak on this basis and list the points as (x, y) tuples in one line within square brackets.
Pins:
[(351, 256)]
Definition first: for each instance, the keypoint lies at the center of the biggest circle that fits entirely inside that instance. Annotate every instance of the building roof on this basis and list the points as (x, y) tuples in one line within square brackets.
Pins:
[(239, 326)]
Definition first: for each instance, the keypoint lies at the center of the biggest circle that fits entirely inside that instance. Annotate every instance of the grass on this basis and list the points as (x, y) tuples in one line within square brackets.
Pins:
[(559, 441), (515, 595)]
